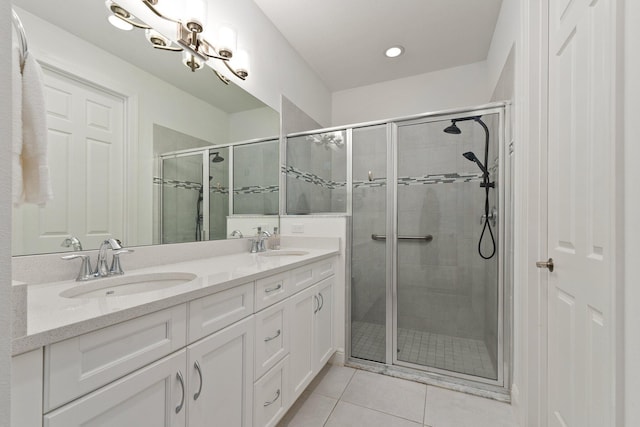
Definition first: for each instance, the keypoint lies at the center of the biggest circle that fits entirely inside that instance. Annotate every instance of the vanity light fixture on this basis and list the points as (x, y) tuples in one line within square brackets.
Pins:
[(189, 40), (394, 51)]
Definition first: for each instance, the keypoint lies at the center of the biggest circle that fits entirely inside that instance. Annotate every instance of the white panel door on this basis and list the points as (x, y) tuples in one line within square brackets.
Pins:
[(221, 378), (581, 190), (85, 149)]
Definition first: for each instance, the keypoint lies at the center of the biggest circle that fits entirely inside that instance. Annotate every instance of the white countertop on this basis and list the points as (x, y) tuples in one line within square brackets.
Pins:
[(52, 318)]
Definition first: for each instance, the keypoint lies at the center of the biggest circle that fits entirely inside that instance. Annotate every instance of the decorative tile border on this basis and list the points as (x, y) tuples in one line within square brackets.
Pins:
[(189, 185), (312, 178)]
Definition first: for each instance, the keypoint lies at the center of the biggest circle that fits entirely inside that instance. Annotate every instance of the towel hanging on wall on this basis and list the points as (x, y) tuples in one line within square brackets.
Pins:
[(31, 182)]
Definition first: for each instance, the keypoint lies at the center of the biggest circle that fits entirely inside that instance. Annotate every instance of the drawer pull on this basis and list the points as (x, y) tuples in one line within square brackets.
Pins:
[(271, 402), (269, 290), (267, 339), (181, 379), (196, 365)]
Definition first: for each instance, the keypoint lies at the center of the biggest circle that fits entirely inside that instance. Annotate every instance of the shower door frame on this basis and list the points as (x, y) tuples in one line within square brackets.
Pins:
[(392, 365), (393, 246)]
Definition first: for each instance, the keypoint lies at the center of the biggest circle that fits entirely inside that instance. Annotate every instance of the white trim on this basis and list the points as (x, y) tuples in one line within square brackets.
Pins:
[(530, 228)]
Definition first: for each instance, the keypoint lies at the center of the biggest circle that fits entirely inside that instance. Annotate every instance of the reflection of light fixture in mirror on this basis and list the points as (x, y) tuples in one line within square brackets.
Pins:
[(122, 19), (189, 36), (329, 140)]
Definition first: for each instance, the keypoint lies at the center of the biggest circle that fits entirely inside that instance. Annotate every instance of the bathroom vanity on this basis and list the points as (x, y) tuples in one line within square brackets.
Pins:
[(235, 346)]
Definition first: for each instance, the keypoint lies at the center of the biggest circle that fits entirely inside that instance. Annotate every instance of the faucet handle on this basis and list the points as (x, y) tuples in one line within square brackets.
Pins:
[(85, 272), (254, 245), (116, 268)]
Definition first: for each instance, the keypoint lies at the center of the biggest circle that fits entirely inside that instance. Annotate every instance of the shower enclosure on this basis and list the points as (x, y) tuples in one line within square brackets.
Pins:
[(194, 201), (427, 295)]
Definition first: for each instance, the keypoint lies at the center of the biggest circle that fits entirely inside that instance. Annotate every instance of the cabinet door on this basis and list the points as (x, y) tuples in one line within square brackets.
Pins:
[(272, 337), (301, 312), (154, 396), (221, 378), (323, 326)]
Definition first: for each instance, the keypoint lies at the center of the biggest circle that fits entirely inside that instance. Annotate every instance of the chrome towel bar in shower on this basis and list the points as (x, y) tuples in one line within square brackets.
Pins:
[(426, 238)]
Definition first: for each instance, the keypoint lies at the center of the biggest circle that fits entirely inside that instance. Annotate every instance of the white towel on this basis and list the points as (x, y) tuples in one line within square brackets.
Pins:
[(35, 169), (16, 146)]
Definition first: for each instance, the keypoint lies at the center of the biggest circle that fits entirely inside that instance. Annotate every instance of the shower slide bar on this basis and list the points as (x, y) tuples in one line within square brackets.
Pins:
[(426, 238)]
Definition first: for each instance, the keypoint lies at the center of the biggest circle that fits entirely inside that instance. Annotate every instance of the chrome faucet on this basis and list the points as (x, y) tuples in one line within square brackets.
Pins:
[(257, 244), (261, 239), (86, 273), (72, 241), (101, 264)]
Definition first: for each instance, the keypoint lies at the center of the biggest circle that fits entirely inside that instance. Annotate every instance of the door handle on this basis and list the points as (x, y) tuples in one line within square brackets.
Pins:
[(196, 365), (546, 264)]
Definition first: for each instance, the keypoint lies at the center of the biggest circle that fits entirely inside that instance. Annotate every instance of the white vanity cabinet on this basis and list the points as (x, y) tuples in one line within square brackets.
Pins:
[(311, 327), (154, 396), (220, 386), (235, 358)]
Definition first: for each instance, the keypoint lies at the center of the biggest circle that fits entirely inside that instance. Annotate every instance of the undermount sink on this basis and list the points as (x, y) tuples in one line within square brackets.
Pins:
[(274, 253), (127, 285)]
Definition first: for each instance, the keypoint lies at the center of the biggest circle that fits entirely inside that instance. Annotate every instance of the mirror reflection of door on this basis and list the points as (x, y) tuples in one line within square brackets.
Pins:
[(86, 140)]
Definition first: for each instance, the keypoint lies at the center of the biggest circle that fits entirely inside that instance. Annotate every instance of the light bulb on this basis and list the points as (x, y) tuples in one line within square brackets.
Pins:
[(241, 63), (191, 60), (119, 23), (195, 14), (227, 40)]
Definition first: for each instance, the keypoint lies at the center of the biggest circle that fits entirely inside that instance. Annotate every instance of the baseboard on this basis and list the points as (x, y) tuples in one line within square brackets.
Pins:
[(338, 358)]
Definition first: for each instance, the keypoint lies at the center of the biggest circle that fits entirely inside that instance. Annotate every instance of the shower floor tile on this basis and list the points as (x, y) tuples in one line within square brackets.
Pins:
[(463, 355)]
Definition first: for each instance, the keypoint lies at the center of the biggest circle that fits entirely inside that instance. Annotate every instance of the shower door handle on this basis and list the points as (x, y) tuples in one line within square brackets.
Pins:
[(546, 264), (426, 238)]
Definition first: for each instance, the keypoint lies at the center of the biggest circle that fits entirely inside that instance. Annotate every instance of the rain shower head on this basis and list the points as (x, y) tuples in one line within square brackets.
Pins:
[(453, 129), (472, 157), (217, 157)]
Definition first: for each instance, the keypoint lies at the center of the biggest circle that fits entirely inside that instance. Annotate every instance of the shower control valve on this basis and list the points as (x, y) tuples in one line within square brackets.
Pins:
[(493, 216)]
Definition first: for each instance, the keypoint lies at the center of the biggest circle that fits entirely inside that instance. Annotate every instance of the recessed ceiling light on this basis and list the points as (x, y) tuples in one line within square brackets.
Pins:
[(394, 51)]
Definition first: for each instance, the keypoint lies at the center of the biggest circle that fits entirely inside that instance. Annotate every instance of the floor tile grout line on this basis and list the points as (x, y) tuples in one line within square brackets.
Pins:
[(353, 374), (381, 412)]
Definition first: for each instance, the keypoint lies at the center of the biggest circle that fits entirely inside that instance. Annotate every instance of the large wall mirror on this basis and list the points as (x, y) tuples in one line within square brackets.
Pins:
[(140, 147)]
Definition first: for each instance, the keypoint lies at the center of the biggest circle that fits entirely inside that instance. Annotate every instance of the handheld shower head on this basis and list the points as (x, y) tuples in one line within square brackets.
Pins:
[(469, 155)]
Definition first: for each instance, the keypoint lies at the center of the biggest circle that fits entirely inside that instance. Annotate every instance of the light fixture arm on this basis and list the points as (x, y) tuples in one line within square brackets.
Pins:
[(132, 22), (151, 3)]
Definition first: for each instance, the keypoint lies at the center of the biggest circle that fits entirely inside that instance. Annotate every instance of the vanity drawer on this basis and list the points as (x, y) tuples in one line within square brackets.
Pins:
[(84, 363), (271, 290), (270, 395), (272, 338), (214, 312), (305, 276)]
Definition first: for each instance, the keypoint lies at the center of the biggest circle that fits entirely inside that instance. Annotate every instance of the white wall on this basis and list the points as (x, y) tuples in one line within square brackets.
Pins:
[(632, 212), (504, 37), (264, 121), (5, 212), (451, 88)]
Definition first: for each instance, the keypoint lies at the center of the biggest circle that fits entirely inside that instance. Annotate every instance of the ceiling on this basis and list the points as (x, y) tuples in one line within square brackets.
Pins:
[(344, 40), (133, 47)]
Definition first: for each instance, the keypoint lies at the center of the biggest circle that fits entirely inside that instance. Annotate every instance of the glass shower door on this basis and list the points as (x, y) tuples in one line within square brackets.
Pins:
[(182, 199), (369, 307), (446, 294)]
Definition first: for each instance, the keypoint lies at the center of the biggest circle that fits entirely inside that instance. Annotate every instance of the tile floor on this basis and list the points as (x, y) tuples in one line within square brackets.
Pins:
[(464, 355), (346, 397)]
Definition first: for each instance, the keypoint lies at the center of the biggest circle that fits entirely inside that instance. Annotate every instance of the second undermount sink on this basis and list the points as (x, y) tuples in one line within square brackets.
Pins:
[(275, 253), (127, 285)]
